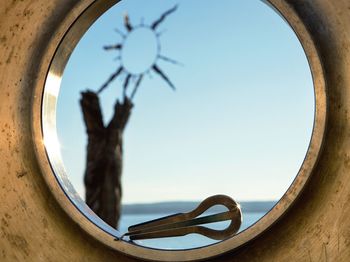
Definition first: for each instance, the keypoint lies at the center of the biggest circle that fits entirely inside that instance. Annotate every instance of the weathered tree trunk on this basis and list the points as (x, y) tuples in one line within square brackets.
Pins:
[(104, 157)]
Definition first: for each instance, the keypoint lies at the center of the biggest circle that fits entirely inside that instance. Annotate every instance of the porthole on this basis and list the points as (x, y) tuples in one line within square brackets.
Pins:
[(246, 120)]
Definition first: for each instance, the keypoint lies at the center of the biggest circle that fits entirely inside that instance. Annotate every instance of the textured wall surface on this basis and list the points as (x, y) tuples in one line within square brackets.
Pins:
[(34, 227)]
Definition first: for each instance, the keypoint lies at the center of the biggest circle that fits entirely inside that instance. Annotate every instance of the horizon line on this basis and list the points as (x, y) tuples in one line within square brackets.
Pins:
[(192, 201)]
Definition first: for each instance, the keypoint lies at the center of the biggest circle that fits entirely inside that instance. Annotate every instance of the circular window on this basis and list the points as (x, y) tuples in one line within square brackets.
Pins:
[(181, 102)]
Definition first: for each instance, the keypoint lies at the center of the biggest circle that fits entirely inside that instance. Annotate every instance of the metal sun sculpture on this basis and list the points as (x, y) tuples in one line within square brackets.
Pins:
[(138, 77)]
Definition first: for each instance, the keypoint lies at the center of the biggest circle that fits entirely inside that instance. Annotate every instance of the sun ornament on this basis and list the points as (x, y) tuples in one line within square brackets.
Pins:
[(133, 77)]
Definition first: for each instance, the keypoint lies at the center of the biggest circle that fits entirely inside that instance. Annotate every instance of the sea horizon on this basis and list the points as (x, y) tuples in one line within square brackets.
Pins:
[(256, 206)]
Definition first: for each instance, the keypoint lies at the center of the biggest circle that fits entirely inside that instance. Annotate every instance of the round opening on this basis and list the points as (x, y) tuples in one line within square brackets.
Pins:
[(140, 50), (242, 122)]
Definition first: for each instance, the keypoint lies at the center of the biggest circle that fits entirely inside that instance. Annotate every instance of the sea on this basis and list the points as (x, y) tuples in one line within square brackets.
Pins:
[(185, 242)]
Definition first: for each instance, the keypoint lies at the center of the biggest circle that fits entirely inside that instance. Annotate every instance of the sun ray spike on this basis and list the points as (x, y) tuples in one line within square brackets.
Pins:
[(126, 84), (111, 47), (120, 33), (111, 78), (163, 16), (127, 24), (136, 87), (162, 75), (169, 60)]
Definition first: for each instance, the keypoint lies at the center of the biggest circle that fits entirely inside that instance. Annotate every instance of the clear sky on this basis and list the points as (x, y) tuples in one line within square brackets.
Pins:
[(239, 122)]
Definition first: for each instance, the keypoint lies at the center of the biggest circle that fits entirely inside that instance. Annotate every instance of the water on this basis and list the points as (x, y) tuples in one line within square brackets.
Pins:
[(185, 242)]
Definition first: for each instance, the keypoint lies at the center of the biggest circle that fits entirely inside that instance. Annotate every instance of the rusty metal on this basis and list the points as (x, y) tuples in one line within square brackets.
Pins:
[(153, 67)]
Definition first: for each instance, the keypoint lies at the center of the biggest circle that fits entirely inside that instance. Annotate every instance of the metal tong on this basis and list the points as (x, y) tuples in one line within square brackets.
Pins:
[(182, 224)]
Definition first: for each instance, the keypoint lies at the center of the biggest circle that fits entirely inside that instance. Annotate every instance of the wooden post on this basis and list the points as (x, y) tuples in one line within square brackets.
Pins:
[(104, 157)]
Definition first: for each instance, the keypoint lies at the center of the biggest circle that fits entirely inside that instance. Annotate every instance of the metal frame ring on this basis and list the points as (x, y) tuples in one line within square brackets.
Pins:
[(44, 126)]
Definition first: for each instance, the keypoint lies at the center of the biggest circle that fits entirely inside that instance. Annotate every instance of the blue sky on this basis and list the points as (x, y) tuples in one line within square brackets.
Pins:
[(239, 122)]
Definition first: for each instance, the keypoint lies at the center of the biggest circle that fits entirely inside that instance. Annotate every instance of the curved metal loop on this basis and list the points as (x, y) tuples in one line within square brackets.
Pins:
[(182, 224)]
